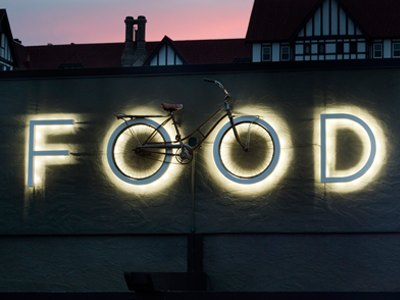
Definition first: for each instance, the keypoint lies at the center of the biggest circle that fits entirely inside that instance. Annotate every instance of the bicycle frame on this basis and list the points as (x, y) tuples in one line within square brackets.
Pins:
[(178, 143)]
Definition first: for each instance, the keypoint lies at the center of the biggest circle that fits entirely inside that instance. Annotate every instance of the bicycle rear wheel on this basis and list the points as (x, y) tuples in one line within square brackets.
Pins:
[(133, 165), (258, 161)]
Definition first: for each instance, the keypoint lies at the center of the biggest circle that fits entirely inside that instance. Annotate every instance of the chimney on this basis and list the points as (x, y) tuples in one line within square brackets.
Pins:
[(140, 53), (127, 58)]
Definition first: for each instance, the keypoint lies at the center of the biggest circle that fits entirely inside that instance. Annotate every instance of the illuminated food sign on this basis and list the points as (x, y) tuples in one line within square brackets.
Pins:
[(139, 151)]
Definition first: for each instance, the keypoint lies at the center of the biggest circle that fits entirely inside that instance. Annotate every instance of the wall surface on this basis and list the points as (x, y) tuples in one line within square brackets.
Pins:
[(289, 232)]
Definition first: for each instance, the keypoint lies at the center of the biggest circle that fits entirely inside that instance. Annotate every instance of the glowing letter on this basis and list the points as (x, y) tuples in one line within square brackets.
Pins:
[(32, 152), (371, 157)]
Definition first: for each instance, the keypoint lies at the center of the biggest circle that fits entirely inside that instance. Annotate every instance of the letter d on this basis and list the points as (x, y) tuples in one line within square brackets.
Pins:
[(371, 157)]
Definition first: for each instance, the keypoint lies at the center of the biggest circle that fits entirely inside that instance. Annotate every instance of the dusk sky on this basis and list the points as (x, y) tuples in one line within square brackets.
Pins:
[(39, 22)]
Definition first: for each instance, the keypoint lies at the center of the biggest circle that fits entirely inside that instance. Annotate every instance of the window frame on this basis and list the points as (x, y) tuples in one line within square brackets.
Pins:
[(321, 48), (307, 49), (393, 50), (339, 48), (353, 48), (288, 53), (262, 53), (375, 50), (2, 45)]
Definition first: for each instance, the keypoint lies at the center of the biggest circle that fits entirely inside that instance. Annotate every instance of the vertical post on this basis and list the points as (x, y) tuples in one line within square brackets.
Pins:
[(195, 253), (193, 194)]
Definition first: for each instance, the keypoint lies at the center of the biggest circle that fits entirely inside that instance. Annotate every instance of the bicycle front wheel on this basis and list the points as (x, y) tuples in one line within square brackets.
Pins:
[(257, 161), (135, 165)]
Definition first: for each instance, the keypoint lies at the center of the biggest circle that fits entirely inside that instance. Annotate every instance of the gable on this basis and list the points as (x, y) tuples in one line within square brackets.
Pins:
[(329, 19), (5, 49), (165, 54), (283, 20), (8, 57)]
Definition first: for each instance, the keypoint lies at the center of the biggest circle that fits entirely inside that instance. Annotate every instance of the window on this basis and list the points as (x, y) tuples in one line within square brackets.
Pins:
[(321, 48), (2, 45), (353, 47), (307, 49), (285, 53), (266, 53), (339, 48), (396, 49), (4, 67), (377, 50)]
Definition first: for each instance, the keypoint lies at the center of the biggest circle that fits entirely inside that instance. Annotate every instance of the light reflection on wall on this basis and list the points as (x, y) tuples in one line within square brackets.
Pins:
[(164, 182), (282, 129), (175, 170), (41, 162), (332, 127), (42, 132)]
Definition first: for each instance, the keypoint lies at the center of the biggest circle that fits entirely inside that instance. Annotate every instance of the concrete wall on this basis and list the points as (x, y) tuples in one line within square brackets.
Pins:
[(77, 229)]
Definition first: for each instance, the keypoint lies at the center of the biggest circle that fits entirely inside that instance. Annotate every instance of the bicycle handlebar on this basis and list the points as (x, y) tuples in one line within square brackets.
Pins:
[(209, 80), (217, 83)]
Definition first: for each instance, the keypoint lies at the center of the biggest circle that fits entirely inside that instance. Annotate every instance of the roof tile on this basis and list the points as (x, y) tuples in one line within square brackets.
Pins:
[(277, 20), (379, 18), (109, 55)]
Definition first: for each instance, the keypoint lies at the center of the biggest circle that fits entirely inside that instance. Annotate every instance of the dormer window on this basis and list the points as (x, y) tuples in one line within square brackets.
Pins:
[(266, 53)]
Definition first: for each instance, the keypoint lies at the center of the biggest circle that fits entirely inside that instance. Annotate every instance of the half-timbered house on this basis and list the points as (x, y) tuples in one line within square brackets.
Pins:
[(311, 30), (8, 57)]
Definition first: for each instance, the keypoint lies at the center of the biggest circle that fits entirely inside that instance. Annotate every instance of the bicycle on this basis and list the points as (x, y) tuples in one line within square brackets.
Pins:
[(246, 149)]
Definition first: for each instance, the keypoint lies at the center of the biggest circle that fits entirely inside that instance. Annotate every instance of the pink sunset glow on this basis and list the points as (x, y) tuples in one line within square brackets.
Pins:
[(87, 21)]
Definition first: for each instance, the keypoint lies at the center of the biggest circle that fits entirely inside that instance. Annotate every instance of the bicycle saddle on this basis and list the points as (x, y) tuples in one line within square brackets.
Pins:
[(171, 107)]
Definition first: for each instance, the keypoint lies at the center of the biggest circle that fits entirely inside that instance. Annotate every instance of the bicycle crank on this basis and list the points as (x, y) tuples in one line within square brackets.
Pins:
[(184, 155)]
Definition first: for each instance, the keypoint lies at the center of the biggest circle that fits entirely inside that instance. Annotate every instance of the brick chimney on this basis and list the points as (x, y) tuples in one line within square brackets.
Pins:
[(127, 58), (131, 57), (140, 53)]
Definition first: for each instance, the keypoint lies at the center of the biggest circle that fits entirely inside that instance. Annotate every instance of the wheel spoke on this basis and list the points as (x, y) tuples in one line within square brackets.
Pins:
[(139, 165)]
